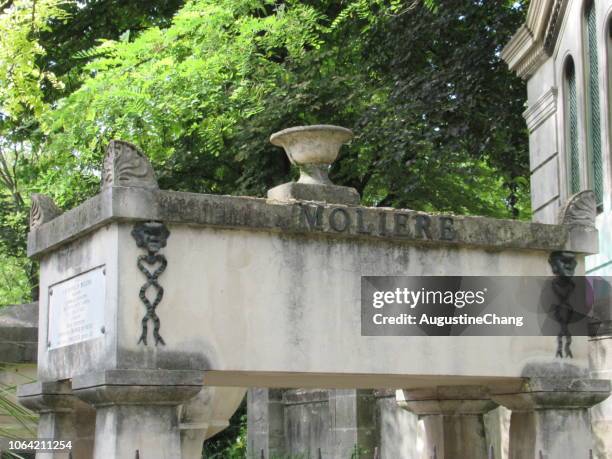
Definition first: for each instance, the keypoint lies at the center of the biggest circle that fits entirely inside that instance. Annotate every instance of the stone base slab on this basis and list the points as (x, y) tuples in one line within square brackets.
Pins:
[(556, 393), (138, 387), (333, 194)]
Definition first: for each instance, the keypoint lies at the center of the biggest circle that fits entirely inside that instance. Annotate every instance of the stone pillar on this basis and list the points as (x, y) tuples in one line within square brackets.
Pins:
[(550, 417), (137, 410), (192, 441), (61, 417), (353, 423), (335, 423), (307, 419), (265, 428), (398, 429), (497, 428), (453, 418), (600, 360)]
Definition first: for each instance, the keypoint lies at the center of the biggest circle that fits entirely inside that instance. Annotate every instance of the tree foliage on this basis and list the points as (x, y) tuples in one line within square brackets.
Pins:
[(453, 108), (437, 115), (42, 46)]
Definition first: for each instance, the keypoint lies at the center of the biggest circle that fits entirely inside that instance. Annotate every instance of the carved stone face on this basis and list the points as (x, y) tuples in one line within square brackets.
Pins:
[(563, 263), (151, 236)]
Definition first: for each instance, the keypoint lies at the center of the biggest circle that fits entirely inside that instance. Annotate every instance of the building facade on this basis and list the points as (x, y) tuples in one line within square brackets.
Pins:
[(564, 52)]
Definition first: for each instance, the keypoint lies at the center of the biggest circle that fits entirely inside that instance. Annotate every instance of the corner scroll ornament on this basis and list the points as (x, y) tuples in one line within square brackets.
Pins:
[(43, 210), (126, 165), (580, 209), (151, 236)]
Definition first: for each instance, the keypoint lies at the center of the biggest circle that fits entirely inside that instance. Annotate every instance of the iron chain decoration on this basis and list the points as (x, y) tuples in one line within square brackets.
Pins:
[(563, 266), (151, 236), (563, 314)]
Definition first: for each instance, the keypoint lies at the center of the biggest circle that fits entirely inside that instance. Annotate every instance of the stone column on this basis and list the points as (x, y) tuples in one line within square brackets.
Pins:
[(266, 422), (600, 360), (453, 418), (332, 423), (550, 417), (137, 410), (353, 423), (61, 417), (398, 429)]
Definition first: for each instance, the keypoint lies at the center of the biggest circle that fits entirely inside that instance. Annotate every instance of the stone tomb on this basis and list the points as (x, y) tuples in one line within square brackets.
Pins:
[(163, 293)]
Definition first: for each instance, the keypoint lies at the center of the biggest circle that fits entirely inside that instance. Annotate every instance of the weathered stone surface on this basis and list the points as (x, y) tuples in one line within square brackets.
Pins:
[(19, 333), (580, 209), (600, 357), (126, 165), (453, 418), (306, 432), (190, 320), (265, 422), (137, 431), (218, 291), (448, 400), (133, 405), (313, 149), (138, 377), (497, 430), (337, 423), (556, 392), (400, 432), (116, 204), (316, 144), (332, 194), (353, 422), (219, 278), (61, 417), (46, 395), (43, 210), (550, 417)]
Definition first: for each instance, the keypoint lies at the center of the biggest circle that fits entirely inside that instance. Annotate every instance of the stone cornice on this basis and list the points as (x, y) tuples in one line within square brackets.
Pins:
[(537, 15), (534, 41), (541, 110), (554, 25), (305, 218)]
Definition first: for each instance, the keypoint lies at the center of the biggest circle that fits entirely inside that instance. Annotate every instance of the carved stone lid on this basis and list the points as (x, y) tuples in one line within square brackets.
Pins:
[(305, 219)]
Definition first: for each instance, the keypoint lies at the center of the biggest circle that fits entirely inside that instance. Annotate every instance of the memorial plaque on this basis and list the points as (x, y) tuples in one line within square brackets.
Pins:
[(76, 309)]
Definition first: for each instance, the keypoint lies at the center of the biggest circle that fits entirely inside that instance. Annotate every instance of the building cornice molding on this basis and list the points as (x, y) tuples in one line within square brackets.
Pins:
[(554, 25), (534, 41), (541, 110)]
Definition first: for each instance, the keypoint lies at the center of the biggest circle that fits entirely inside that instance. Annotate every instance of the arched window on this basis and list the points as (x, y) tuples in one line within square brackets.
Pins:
[(595, 171), (571, 127)]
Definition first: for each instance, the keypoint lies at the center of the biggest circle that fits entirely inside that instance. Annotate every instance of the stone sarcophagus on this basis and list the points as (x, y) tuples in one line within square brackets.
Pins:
[(147, 295)]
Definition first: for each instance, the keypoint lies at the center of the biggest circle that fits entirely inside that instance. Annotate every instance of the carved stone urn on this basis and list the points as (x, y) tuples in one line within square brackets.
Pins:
[(313, 149)]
